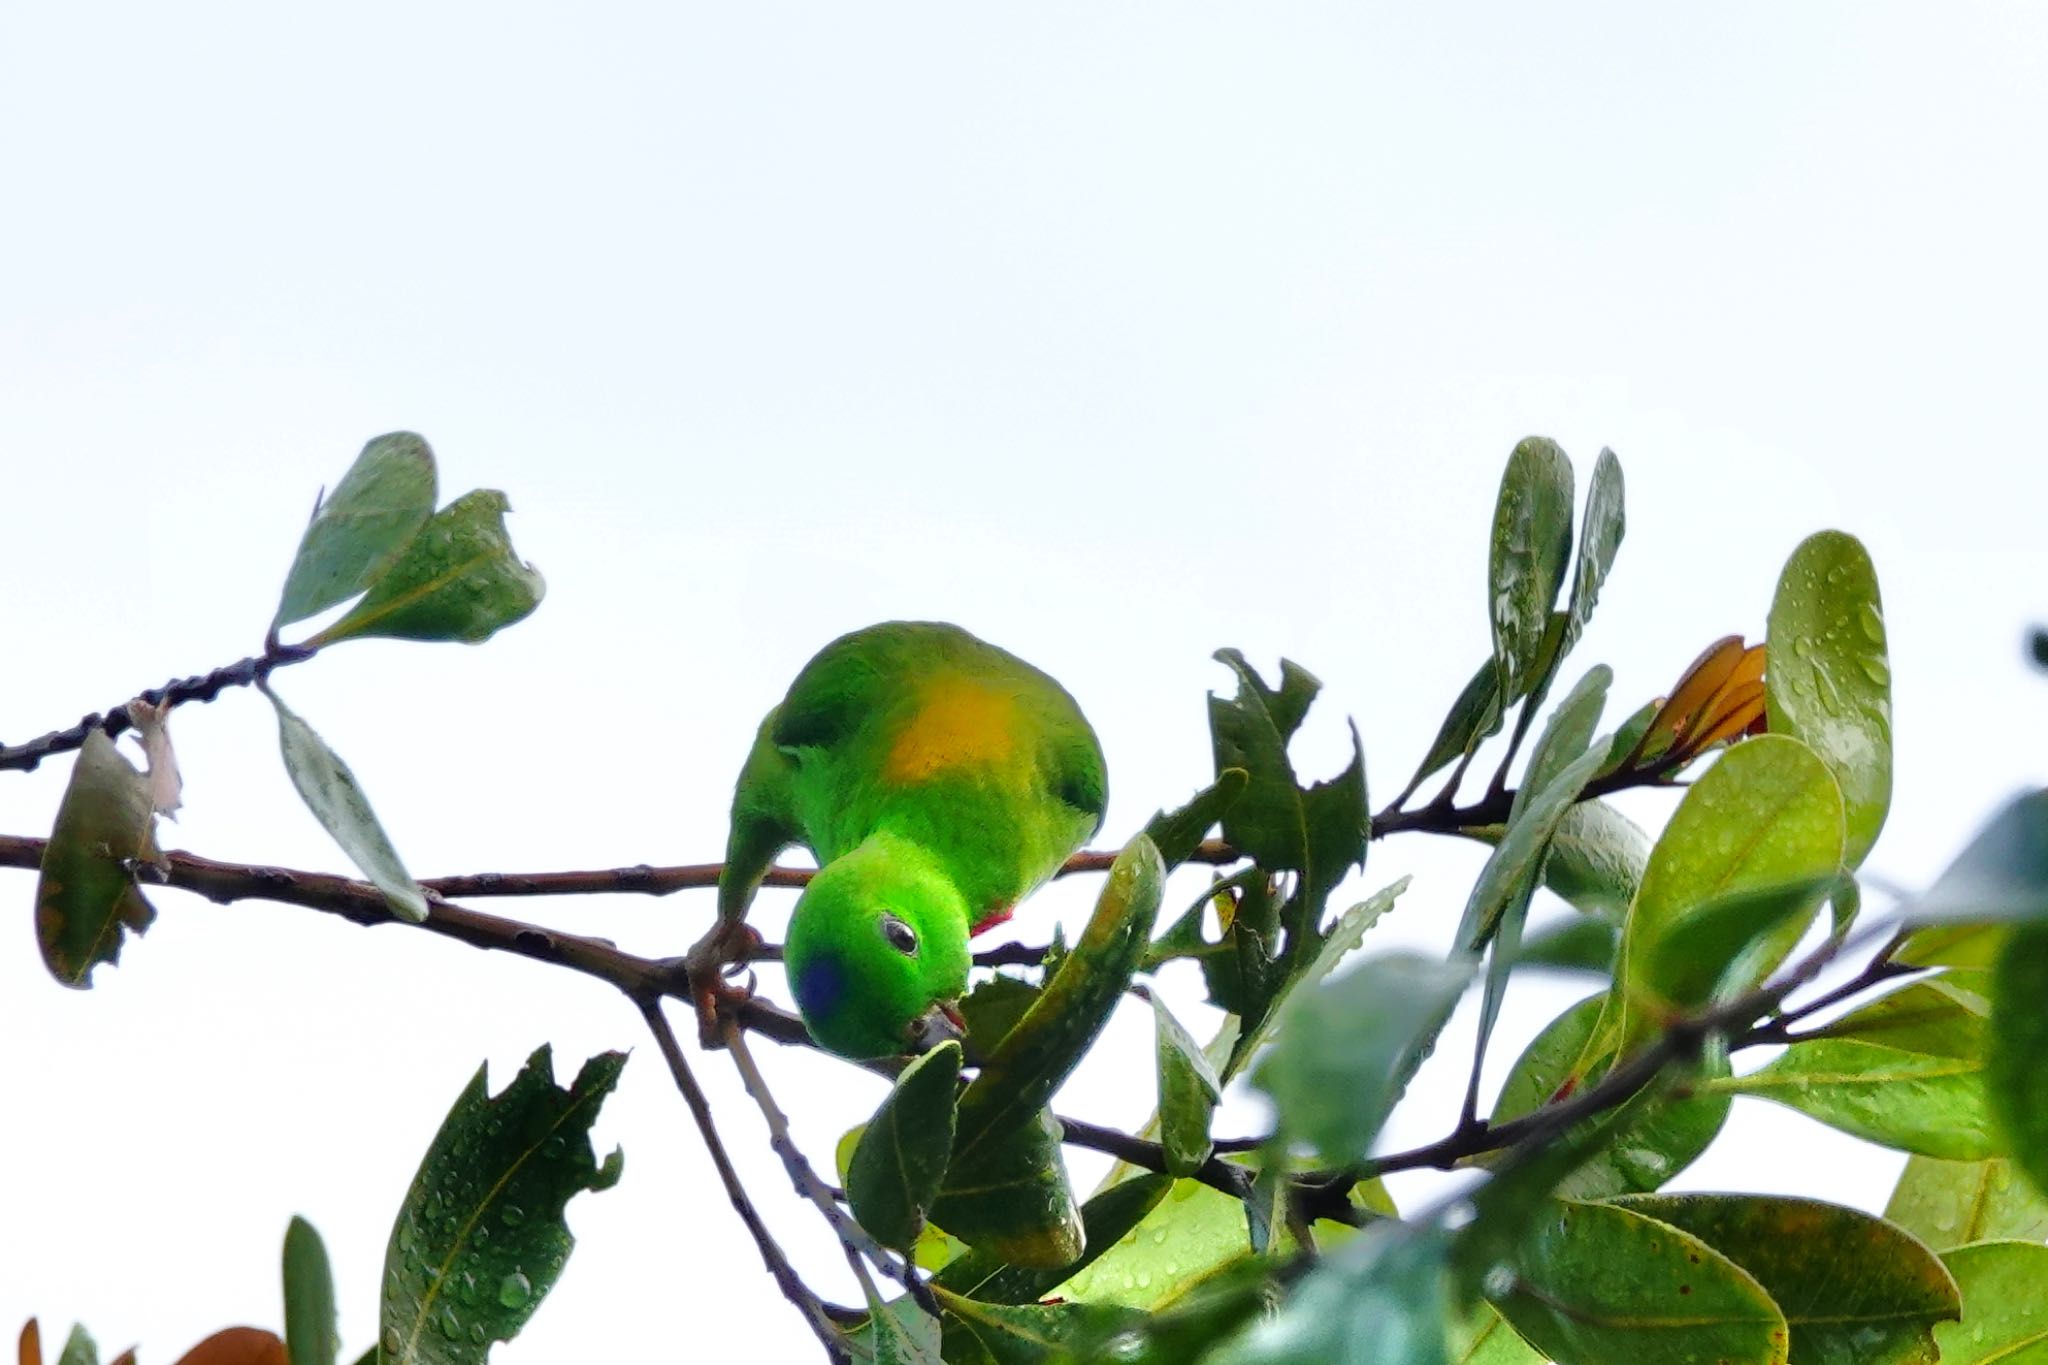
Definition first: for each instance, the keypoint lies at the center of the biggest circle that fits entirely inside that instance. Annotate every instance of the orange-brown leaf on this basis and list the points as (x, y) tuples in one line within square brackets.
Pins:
[(1697, 686), (238, 1346), (31, 1343)]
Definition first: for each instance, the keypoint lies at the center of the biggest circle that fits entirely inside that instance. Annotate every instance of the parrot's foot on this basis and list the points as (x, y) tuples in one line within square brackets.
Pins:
[(720, 981)]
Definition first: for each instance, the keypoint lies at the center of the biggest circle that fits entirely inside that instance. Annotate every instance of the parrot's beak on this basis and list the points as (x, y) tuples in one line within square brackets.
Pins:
[(939, 1024)]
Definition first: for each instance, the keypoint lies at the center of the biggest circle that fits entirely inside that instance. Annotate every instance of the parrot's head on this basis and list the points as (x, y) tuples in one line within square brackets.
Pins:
[(877, 951)]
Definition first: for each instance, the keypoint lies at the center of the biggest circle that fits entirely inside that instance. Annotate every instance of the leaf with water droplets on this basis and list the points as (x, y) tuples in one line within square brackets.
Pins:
[(1531, 551), (2005, 1319), (1952, 1203), (1912, 1101), (1384, 1298), (1828, 681), (1599, 540), (1188, 1092), (457, 580), (481, 1238)]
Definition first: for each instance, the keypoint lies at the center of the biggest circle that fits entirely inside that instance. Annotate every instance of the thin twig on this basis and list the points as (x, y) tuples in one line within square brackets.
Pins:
[(806, 1180), (786, 1279)]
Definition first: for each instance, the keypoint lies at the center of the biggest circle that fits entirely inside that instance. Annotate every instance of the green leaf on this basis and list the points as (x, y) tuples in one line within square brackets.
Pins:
[(1707, 954), (86, 896), (1109, 1221), (1767, 813), (2002, 1317), (1599, 540), (1829, 683), (1188, 1093), (1020, 1075), (2002, 875), (1510, 875), (360, 530), (1192, 1234), (480, 1239), (1348, 932), (1581, 944), (900, 1333), (1938, 1016), (1028, 1334), (1596, 858), (1483, 1337), (1211, 1311), (1347, 1049), (993, 1008), (1566, 735), (2017, 1062), (1658, 1141), (1907, 1100), (1010, 1197), (311, 1334), (901, 1159), (337, 801), (457, 580), (1178, 833), (1383, 1298), (79, 1348), (1531, 549), (1950, 1203), (1596, 1282), (1882, 1314), (1474, 716)]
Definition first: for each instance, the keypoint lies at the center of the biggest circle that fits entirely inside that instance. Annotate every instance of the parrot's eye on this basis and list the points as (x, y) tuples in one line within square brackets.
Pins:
[(900, 935)]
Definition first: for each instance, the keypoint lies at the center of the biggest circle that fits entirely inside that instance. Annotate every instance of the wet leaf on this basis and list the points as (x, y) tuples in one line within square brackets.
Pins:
[(1010, 1197), (1829, 683), (1188, 1093), (360, 529), (1939, 1016), (1911, 1101), (2017, 1062), (1210, 1312), (901, 1159), (2003, 1318), (86, 897), (1383, 1298), (1882, 1314), (1186, 1239), (1596, 858), (1347, 1049), (310, 1323), (1027, 1334), (1596, 1282), (1950, 1203), (1708, 954), (1108, 1220), (1178, 833), (331, 792), (1530, 552), (457, 580), (900, 1333), (480, 1239), (1599, 540)]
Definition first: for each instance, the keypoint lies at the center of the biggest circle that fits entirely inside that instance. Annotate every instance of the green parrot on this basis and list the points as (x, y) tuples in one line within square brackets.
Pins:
[(938, 780)]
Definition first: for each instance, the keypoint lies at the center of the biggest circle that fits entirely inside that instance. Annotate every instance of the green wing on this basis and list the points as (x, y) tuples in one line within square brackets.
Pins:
[(763, 821), (1079, 778)]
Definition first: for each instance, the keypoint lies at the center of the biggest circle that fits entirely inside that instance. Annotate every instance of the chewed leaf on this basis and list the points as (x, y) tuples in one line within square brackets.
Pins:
[(361, 528), (336, 799), (86, 898), (481, 1238), (457, 580)]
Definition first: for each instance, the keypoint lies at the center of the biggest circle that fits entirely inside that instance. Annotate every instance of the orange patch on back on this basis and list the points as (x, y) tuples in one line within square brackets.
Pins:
[(960, 723)]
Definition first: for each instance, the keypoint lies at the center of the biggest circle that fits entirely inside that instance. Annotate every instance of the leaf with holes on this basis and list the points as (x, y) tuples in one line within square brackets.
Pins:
[(86, 896), (457, 580), (480, 1239), (1178, 833), (362, 527)]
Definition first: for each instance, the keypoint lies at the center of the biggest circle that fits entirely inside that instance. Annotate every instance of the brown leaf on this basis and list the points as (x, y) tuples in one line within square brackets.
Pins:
[(31, 1343), (238, 1346), (126, 1357), (1697, 687)]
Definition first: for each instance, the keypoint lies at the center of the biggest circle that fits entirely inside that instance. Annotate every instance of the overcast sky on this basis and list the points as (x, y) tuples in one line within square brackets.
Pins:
[(1115, 333)]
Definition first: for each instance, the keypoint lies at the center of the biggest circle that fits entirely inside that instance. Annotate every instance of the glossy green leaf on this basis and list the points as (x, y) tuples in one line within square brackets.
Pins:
[(1766, 814), (1192, 1233), (1829, 683), (1708, 953), (901, 1158), (1483, 1337), (480, 1239), (2002, 875), (337, 801), (2016, 1067), (1599, 541), (993, 1008), (1178, 833), (1596, 1282), (1010, 1197), (1596, 858), (1384, 1298), (900, 1333), (1950, 1203), (1348, 932), (86, 896), (1658, 1141), (1530, 551), (1565, 736), (457, 580), (1474, 716), (1188, 1093), (1020, 1075), (1935, 1106), (1109, 1223), (1212, 1311), (360, 529), (2004, 1320), (1579, 944), (1346, 1049), (1882, 1314), (1939, 1016), (312, 1335), (1026, 1334)]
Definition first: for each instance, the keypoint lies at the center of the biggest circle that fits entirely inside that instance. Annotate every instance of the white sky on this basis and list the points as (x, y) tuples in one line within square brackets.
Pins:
[(1117, 334)]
